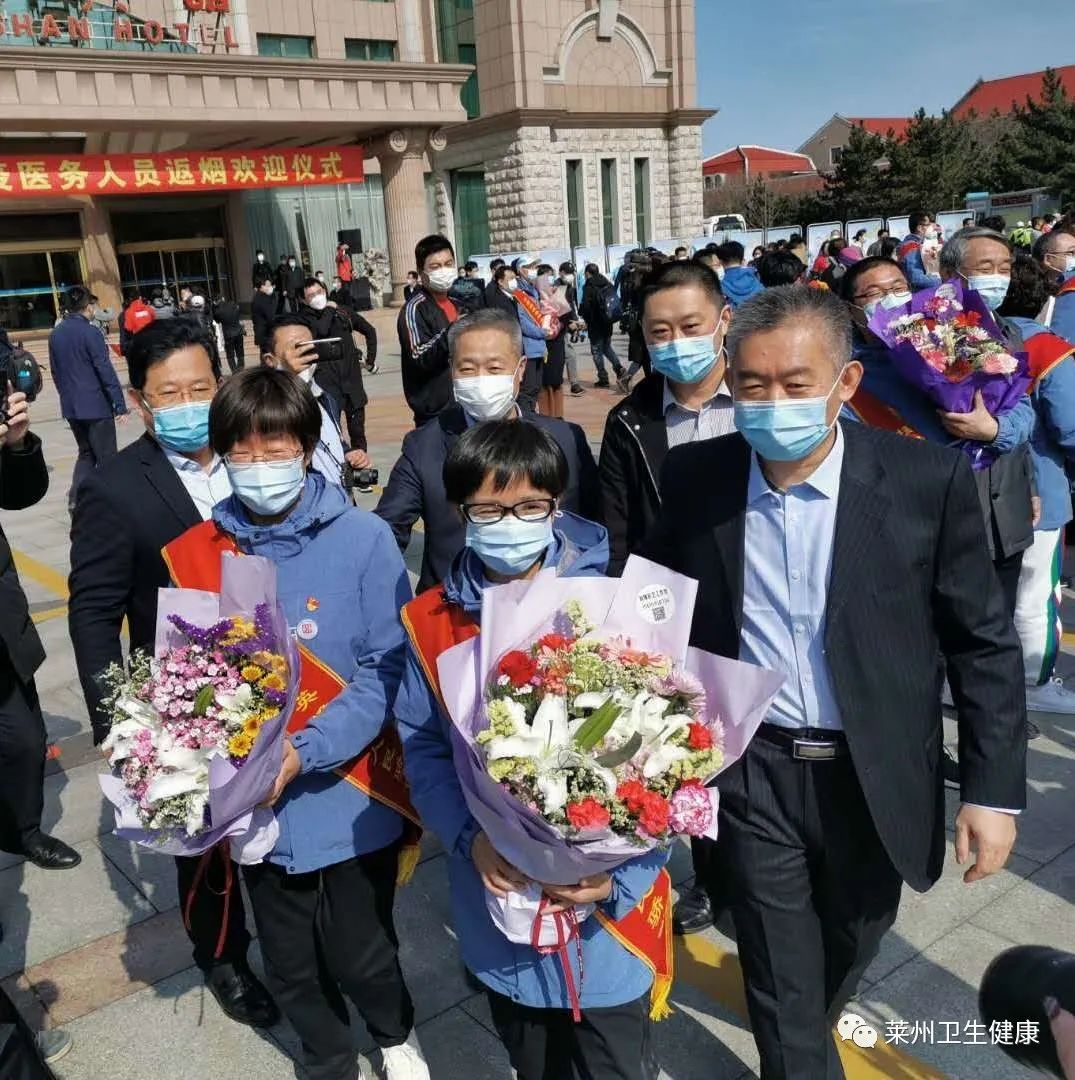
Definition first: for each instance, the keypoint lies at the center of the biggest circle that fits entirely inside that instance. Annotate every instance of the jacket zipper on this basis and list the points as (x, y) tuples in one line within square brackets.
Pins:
[(642, 451)]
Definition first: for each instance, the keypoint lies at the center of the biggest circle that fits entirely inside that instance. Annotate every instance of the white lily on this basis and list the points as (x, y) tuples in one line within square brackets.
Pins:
[(548, 733), (662, 753), (138, 716)]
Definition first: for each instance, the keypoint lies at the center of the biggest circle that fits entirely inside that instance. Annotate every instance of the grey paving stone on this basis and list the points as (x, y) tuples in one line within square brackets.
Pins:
[(1039, 911), (926, 917), (152, 874), (456, 1045), (171, 1031), (49, 912), (65, 713), (942, 985), (75, 808)]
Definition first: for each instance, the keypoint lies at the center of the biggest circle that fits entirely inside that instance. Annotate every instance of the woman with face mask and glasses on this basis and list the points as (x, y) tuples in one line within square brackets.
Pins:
[(506, 479), (323, 899)]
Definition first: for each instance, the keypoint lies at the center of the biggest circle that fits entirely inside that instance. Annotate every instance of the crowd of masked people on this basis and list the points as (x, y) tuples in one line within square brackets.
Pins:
[(769, 451)]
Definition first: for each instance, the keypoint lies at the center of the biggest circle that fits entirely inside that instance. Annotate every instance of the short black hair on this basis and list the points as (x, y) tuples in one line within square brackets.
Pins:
[(287, 319), (412, 273), (544, 268), (889, 246), (78, 298), (676, 275), (567, 268), (496, 263), (795, 240), (918, 217), (1030, 287), (430, 245), (731, 251), (995, 222), (592, 269), (510, 450), (469, 265), (502, 272), (780, 268), (849, 282), (161, 340), (680, 248), (312, 281), (263, 401)]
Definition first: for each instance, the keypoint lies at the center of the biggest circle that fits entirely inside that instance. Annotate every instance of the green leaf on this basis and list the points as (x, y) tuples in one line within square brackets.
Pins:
[(206, 697), (617, 757), (597, 726)]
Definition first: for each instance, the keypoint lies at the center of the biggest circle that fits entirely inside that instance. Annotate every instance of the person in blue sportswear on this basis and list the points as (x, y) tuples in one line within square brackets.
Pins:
[(322, 900), (1055, 250), (917, 254), (506, 478), (738, 282)]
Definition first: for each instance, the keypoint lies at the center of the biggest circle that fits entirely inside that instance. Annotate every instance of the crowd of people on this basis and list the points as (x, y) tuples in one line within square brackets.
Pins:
[(767, 447)]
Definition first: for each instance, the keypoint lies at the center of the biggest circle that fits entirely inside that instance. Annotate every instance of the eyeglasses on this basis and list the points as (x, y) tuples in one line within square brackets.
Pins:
[(878, 292), (277, 459), (491, 513), (165, 398)]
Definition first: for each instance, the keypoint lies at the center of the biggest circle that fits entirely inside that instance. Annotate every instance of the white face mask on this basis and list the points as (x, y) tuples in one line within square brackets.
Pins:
[(261, 258), (511, 285), (486, 397), (1066, 262), (290, 262), (443, 278), (318, 301)]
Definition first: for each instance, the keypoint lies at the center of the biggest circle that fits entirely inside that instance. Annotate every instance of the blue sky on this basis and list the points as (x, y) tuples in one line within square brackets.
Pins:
[(778, 69)]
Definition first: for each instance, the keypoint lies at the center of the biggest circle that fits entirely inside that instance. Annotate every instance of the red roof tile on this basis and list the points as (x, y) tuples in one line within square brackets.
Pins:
[(1002, 95), (759, 159), (882, 125)]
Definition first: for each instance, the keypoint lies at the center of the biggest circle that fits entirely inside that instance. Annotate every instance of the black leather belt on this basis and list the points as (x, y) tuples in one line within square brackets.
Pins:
[(805, 744)]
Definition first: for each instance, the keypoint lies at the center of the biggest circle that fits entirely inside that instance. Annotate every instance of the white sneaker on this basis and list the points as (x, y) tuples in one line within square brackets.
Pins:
[(1053, 697), (404, 1062)]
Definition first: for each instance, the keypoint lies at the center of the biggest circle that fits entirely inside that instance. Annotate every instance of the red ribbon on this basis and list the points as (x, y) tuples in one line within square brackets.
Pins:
[(567, 930), (202, 873)]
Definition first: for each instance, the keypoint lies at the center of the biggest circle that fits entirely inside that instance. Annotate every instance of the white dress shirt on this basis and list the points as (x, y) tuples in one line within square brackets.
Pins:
[(205, 487), (715, 418)]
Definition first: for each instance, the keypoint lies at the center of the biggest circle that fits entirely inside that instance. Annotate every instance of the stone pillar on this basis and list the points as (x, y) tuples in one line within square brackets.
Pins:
[(685, 179), (442, 194), (240, 252), (409, 24), (402, 158), (102, 266)]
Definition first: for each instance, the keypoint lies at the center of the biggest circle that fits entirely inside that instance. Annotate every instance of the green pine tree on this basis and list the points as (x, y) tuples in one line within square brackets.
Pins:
[(858, 186)]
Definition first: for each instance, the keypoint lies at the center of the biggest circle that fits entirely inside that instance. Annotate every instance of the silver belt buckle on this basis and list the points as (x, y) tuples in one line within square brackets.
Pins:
[(809, 750)]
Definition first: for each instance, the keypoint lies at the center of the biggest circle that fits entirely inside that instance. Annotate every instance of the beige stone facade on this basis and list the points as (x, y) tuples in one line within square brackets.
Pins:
[(561, 85)]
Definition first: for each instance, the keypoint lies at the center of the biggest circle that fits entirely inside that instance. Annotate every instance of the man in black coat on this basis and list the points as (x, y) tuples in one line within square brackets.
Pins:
[(24, 479), (852, 561), (486, 350), (149, 495), (262, 313)]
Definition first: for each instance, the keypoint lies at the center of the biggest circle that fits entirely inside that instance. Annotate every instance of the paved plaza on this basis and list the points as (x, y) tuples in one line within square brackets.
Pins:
[(101, 951)]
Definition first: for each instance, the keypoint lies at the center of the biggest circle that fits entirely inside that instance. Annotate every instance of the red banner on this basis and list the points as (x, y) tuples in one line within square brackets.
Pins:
[(34, 176)]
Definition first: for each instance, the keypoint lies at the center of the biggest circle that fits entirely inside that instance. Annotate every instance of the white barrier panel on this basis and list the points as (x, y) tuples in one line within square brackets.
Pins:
[(899, 227), (696, 243), (595, 254), (616, 253), (555, 256), (951, 221), (816, 235), (871, 225), (781, 232), (669, 246)]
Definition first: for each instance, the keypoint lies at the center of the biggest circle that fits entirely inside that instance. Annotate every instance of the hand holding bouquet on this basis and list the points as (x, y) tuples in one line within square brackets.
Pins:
[(947, 344)]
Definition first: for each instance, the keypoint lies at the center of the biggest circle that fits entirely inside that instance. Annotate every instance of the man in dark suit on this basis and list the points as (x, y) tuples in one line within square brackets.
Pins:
[(486, 366), (149, 494), (24, 479), (853, 561)]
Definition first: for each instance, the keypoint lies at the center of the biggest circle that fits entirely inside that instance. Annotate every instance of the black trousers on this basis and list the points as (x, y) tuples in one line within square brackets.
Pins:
[(208, 912), (96, 440), (22, 760), (234, 351), (326, 934), (811, 891), (531, 384), (1008, 571), (546, 1044), (356, 428)]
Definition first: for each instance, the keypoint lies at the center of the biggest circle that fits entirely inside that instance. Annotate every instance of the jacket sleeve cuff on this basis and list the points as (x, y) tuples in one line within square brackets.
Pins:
[(307, 746), (30, 445), (465, 840)]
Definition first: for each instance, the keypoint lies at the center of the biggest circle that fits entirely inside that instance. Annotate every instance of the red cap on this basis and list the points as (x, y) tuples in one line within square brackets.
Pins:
[(138, 316)]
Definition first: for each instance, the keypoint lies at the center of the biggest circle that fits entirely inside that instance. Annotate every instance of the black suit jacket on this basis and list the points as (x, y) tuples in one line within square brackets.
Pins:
[(911, 580), (127, 511), (24, 479)]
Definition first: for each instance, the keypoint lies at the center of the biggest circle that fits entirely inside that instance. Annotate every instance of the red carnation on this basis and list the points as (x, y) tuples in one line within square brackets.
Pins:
[(518, 667), (699, 737), (556, 642), (588, 814), (632, 793), (654, 816)]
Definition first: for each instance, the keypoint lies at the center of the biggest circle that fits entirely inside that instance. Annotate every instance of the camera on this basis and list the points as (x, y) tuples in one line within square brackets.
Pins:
[(362, 479), (22, 371), (1012, 991)]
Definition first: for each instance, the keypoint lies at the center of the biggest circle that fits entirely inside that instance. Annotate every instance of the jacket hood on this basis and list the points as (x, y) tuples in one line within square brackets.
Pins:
[(579, 549), (740, 283), (320, 504)]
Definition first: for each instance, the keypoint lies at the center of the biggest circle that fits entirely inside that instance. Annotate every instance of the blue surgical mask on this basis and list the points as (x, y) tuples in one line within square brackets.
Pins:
[(685, 360), (888, 302), (268, 488), (784, 430), (510, 546), (992, 288), (183, 428)]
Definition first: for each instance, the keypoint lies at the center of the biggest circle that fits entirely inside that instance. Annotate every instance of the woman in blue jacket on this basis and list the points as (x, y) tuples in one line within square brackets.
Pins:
[(323, 899), (506, 478)]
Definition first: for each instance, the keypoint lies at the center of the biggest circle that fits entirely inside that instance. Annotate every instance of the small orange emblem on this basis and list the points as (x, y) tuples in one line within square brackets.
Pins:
[(312, 603)]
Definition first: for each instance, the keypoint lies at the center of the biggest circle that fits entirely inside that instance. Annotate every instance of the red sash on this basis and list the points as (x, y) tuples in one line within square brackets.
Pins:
[(1067, 287), (530, 306), (193, 561), (435, 625), (873, 411), (1044, 352)]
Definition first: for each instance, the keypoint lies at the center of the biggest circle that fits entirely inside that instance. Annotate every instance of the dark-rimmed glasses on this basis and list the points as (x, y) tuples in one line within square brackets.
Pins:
[(491, 513)]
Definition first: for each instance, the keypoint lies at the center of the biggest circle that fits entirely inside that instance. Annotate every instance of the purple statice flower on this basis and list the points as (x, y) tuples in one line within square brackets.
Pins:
[(276, 697), (263, 640), (205, 637)]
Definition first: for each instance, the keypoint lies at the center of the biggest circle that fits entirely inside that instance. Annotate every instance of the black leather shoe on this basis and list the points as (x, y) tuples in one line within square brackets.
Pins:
[(692, 912), (50, 854), (241, 997)]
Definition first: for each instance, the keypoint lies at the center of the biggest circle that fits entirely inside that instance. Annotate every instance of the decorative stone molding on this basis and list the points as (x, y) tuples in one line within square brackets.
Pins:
[(624, 27)]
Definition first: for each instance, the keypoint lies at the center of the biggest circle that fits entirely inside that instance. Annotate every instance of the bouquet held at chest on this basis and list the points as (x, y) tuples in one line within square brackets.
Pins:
[(197, 729), (947, 344)]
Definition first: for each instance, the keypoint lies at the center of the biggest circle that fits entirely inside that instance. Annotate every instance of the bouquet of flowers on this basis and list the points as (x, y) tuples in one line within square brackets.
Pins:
[(947, 344), (581, 744), (197, 729)]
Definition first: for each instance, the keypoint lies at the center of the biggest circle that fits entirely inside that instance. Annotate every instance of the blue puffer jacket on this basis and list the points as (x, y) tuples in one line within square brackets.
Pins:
[(1052, 442), (338, 568), (534, 340), (611, 975), (740, 283)]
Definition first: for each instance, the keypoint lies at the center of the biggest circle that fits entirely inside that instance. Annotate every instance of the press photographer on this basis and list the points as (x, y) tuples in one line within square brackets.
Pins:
[(24, 479)]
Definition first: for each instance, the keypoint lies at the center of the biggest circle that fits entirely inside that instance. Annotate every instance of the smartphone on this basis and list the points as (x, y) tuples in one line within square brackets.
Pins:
[(320, 341)]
